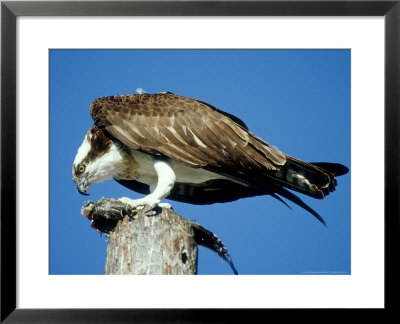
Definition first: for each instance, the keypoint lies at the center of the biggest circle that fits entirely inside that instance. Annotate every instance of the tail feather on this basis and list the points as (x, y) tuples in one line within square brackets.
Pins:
[(335, 168), (316, 180), (275, 188), (293, 198), (312, 179)]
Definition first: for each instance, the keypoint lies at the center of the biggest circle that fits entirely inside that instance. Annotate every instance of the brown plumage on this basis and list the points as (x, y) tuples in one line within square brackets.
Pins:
[(183, 129), (199, 135)]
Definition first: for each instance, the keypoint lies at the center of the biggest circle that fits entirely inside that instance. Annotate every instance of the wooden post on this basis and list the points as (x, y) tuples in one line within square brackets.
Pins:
[(157, 244)]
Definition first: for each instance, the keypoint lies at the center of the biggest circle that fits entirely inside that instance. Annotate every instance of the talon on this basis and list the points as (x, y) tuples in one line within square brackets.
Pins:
[(146, 209), (142, 205), (128, 210)]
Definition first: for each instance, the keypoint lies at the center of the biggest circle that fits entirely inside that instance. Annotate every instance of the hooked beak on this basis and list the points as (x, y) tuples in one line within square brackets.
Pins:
[(82, 186)]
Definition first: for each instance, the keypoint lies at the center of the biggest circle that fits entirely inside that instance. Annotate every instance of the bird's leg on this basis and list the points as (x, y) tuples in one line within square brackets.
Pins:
[(153, 187), (165, 182)]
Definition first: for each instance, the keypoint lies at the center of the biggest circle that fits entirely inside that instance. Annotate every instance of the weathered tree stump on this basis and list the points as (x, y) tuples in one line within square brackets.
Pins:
[(155, 242), (152, 244)]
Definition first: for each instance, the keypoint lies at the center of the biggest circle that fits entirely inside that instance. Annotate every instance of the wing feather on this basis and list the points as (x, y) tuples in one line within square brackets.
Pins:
[(185, 130)]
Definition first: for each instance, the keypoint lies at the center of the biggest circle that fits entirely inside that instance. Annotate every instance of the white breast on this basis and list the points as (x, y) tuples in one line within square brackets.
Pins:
[(147, 174)]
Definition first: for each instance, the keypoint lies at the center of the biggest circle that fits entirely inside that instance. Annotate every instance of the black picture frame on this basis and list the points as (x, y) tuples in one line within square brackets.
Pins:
[(10, 10)]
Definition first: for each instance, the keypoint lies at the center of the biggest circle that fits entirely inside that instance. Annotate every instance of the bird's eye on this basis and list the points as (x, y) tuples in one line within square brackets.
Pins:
[(81, 168)]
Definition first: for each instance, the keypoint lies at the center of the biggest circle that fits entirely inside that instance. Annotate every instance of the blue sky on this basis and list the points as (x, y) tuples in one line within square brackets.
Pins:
[(297, 100)]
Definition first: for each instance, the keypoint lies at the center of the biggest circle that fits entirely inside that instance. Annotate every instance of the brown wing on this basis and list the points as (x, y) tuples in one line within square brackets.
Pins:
[(185, 130)]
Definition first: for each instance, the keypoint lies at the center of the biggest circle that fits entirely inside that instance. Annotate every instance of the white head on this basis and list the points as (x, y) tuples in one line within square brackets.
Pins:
[(96, 160)]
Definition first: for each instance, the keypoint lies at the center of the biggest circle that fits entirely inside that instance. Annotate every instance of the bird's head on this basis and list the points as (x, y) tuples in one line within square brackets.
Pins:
[(92, 163)]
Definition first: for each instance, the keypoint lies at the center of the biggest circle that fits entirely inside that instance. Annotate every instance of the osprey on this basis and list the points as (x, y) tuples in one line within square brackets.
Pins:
[(169, 146)]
